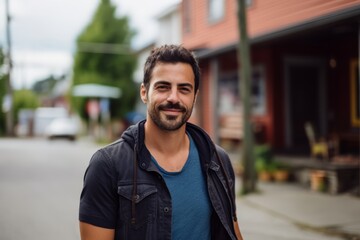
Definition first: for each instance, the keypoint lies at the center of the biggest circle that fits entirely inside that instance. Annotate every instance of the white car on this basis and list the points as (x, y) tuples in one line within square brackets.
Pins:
[(62, 128)]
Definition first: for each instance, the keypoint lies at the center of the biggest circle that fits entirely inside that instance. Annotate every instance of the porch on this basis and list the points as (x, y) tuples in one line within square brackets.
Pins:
[(338, 175)]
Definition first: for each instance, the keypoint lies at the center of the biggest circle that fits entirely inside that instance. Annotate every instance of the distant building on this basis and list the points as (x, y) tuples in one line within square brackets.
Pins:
[(169, 25), (142, 54), (52, 91)]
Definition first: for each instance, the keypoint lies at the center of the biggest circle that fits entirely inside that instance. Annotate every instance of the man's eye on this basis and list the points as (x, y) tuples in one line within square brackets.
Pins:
[(185, 90), (162, 87)]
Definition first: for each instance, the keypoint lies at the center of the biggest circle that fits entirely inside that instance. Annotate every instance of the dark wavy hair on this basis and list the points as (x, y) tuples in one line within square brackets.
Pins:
[(170, 54)]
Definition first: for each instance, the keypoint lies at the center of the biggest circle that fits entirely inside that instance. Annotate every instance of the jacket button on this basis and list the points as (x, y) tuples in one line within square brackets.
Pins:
[(143, 164), (166, 209)]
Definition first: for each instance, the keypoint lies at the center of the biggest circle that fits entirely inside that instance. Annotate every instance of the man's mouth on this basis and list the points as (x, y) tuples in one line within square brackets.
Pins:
[(176, 108)]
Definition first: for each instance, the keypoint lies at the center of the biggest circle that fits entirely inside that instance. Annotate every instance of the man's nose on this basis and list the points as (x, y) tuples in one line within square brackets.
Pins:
[(173, 96)]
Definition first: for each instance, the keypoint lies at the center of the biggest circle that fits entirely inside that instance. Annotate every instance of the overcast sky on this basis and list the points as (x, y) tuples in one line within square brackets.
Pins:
[(43, 32)]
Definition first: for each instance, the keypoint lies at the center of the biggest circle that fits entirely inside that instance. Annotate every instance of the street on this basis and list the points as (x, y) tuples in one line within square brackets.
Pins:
[(40, 184), (41, 181)]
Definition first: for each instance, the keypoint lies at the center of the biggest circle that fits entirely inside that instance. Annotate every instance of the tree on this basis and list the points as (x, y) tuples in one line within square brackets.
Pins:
[(103, 56), (24, 99), (248, 160), (21, 98)]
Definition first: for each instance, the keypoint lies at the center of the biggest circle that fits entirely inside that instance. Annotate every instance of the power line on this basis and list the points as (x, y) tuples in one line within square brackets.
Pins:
[(107, 48)]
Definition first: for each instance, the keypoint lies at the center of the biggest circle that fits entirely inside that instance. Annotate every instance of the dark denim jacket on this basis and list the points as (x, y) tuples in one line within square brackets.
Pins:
[(123, 189)]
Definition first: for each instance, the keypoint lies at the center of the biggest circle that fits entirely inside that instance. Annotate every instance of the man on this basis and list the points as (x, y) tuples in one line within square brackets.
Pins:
[(164, 178)]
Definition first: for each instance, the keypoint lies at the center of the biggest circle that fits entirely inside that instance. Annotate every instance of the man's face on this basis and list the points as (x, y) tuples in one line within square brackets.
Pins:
[(171, 95)]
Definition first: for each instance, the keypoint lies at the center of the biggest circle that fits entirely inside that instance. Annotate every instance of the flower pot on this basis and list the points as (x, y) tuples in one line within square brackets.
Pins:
[(265, 176), (281, 175), (317, 180)]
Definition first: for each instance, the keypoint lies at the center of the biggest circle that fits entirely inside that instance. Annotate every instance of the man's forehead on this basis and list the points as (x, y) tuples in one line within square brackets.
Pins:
[(178, 73)]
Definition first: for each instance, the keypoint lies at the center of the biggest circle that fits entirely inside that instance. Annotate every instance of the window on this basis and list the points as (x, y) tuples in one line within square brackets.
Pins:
[(229, 99), (230, 104), (216, 10), (258, 94)]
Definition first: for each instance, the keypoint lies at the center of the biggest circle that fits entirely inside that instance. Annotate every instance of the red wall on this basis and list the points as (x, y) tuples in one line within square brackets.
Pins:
[(264, 16)]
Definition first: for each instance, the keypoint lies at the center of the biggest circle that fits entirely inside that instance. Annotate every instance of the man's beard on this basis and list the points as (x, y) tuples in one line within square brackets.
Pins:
[(169, 122)]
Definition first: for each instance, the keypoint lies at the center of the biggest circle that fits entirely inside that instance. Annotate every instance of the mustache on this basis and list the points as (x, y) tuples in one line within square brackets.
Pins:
[(170, 105)]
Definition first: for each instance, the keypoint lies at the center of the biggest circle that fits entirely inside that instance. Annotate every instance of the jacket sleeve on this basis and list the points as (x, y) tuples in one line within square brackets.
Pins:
[(230, 174), (98, 201)]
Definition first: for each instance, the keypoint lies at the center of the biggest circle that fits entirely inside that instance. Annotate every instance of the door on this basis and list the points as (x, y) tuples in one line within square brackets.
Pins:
[(305, 100)]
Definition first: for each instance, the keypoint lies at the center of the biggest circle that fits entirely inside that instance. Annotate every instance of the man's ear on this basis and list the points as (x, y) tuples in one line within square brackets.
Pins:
[(143, 93)]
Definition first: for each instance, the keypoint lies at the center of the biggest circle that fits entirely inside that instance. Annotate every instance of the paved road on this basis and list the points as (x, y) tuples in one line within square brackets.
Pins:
[(40, 184)]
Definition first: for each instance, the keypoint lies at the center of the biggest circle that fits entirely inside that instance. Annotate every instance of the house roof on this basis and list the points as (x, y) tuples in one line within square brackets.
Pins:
[(348, 17)]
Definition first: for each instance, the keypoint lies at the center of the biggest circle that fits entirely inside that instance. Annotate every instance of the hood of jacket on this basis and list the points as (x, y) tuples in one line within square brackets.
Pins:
[(135, 136)]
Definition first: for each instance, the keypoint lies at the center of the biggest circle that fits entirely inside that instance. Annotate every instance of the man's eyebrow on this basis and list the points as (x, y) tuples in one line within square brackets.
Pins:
[(169, 83), (162, 83)]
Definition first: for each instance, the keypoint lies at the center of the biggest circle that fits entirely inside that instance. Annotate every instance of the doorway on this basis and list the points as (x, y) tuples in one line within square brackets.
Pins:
[(305, 100)]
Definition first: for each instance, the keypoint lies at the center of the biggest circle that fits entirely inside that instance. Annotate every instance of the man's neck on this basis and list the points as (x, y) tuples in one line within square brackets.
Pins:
[(165, 141), (169, 148)]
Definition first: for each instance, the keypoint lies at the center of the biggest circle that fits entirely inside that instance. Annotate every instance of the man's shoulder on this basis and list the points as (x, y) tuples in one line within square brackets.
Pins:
[(114, 152), (225, 158), (116, 146), (223, 154), (221, 150), (198, 133)]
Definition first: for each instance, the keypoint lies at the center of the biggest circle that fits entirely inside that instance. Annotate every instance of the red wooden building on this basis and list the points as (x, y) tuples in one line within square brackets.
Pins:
[(305, 61)]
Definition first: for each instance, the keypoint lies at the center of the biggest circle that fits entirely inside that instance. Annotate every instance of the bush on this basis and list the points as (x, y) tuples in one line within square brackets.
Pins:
[(263, 158)]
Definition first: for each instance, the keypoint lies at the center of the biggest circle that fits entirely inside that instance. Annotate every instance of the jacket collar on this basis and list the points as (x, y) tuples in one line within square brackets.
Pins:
[(135, 136)]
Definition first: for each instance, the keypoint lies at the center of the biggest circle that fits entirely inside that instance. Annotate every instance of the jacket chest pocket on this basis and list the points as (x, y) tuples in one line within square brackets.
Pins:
[(144, 210)]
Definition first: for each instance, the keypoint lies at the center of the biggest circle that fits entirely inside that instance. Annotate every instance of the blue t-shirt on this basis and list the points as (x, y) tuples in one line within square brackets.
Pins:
[(191, 209)]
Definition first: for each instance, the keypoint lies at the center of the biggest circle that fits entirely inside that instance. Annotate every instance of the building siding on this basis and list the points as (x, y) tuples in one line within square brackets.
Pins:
[(264, 16)]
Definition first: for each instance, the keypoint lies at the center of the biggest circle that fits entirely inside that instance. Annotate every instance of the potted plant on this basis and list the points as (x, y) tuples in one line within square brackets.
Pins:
[(267, 168), (281, 172), (263, 162), (317, 178), (263, 170)]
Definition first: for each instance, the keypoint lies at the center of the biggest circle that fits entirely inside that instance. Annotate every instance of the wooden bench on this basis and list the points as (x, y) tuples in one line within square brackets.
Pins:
[(231, 127), (230, 130)]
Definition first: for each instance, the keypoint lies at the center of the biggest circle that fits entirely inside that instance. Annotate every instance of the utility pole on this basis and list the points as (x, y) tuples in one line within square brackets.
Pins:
[(244, 68), (8, 101)]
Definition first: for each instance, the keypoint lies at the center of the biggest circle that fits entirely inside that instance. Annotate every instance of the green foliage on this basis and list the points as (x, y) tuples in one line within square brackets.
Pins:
[(260, 165), (97, 65), (265, 161), (21, 98), (263, 151), (24, 99), (263, 158)]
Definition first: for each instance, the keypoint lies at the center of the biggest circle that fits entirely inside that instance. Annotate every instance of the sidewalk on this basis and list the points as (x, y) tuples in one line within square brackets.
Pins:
[(292, 212)]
